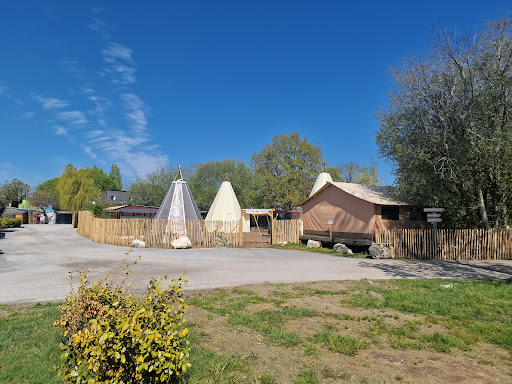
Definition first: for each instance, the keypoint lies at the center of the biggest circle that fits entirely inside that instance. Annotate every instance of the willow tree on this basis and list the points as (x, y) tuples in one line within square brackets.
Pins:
[(288, 168), (448, 125), (76, 188)]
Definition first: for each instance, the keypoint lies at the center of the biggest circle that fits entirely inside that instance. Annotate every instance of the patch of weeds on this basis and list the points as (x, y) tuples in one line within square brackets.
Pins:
[(267, 379), (310, 350), (321, 292), (269, 323), (240, 291), (278, 335), (485, 362), (364, 380), (364, 300), (307, 377), (399, 378), (220, 303), (444, 343), (209, 367), (341, 344), (400, 343), (377, 328)]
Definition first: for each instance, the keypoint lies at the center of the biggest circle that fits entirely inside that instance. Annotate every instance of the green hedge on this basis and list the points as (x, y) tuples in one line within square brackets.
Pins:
[(10, 223)]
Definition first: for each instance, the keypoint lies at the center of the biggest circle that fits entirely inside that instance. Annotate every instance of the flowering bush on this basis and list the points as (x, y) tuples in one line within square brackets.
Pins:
[(109, 336)]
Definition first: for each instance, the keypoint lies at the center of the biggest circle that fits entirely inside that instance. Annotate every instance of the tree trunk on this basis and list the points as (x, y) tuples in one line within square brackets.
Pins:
[(483, 210)]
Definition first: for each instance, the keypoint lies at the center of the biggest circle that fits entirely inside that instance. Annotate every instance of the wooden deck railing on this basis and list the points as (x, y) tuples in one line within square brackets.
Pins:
[(159, 233), (449, 244)]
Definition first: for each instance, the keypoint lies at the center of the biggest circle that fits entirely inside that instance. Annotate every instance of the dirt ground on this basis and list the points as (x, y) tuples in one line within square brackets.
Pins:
[(379, 363)]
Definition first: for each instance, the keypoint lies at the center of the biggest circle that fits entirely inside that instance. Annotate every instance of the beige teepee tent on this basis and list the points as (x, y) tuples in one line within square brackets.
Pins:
[(322, 178), (225, 207)]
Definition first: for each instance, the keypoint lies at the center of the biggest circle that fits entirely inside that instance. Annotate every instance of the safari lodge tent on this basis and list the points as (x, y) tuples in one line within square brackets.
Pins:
[(351, 213)]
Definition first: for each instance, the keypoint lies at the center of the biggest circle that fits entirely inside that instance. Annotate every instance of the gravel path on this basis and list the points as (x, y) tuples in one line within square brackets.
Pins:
[(35, 262)]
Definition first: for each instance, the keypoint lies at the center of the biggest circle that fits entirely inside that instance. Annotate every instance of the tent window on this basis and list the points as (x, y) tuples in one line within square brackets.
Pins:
[(389, 213)]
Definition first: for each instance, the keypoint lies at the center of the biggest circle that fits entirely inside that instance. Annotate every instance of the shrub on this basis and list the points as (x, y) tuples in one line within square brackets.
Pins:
[(112, 337), (10, 223)]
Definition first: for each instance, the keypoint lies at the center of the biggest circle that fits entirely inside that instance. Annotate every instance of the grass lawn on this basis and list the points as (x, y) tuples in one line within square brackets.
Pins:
[(412, 331)]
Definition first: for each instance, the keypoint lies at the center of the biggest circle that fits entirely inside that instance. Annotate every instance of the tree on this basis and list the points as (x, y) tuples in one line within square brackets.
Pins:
[(115, 178), (448, 126), (43, 198), (2, 208), (288, 168), (77, 188), (205, 179), (352, 172), (110, 182), (151, 189), (16, 190)]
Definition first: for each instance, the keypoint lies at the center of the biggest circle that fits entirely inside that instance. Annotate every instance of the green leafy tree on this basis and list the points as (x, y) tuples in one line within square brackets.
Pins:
[(16, 190), (46, 194), (2, 208), (151, 189), (288, 168), (205, 179), (115, 178), (447, 128), (104, 182), (77, 188), (352, 172)]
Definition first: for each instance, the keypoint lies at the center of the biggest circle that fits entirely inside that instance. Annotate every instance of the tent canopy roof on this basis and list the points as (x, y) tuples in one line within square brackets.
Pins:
[(376, 194)]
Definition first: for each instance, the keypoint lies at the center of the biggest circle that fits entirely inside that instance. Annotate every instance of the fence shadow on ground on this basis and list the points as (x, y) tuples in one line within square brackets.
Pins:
[(417, 269)]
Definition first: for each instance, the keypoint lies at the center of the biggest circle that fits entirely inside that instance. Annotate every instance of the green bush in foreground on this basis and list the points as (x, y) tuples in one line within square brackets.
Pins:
[(112, 337), (10, 223)]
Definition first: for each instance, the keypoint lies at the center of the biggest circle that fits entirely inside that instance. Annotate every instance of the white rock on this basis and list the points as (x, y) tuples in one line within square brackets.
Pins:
[(282, 243), (181, 243), (381, 251), (314, 244), (342, 248), (138, 244)]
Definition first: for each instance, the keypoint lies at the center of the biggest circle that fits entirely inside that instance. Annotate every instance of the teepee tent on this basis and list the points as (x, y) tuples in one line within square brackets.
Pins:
[(178, 204), (322, 178), (178, 207), (225, 207)]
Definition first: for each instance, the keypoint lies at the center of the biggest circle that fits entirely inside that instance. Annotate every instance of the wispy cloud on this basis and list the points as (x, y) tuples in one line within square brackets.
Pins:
[(3, 89), (59, 131), (50, 102), (136, 112), (120, 66), (87, 119), (89, 151), (73, 68), (72, 117)]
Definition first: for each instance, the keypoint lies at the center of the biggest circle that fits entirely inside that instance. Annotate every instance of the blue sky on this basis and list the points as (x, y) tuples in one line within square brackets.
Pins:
[(146, 83)]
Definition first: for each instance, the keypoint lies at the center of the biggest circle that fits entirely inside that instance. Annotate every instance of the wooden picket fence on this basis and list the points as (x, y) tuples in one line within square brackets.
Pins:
[(285, 230), (159, 233), (449, 244)]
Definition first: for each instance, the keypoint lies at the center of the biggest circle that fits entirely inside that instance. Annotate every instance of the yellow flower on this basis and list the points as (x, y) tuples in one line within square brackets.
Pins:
[(265, 307), (285, 305)]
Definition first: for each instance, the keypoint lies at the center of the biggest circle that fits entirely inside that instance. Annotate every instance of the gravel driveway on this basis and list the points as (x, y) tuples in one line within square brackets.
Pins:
[(35, 262)]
